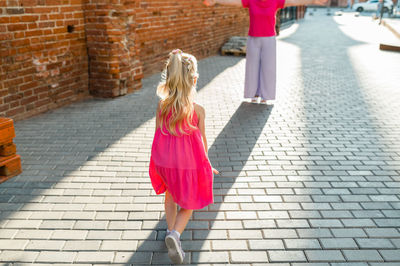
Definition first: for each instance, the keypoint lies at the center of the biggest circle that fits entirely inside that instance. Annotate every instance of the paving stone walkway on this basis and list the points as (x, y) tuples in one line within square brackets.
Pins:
[(312, 179)]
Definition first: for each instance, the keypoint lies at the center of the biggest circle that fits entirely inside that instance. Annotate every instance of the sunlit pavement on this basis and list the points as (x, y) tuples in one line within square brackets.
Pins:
[(311, 178)]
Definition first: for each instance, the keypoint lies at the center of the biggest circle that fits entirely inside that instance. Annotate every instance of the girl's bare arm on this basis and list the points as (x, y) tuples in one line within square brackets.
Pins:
[(157, 118), (201, 114)]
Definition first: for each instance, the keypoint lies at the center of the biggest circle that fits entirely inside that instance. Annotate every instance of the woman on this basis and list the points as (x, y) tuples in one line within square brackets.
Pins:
[(260, 77)]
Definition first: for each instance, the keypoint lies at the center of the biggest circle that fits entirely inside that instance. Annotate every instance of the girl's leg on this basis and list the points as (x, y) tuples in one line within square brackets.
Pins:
[(182, 219), (172, 240), (170, 210)]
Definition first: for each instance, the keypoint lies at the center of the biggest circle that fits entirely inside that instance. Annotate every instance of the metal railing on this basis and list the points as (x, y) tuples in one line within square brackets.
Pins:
[(285, 17)]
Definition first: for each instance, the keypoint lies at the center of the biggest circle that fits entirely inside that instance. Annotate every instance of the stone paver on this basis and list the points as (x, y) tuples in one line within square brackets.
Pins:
[(312, 179)]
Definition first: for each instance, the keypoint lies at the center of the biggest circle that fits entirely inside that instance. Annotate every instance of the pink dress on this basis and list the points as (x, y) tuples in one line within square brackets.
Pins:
[(180, 165)]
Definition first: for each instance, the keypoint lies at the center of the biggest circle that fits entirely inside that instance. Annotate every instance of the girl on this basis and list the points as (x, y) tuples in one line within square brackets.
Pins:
[(179, 164)]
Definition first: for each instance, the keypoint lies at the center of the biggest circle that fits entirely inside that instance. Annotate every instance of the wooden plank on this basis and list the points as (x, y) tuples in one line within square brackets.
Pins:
[(5, 122), (10, 167), (389, 47), (7, 132), (7, 150)]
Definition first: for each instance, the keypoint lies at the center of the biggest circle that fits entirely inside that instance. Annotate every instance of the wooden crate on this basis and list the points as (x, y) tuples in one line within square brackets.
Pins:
[(10, 162), (8, 149), (236, 46), (233, 52), (7, 132), (9, 166)]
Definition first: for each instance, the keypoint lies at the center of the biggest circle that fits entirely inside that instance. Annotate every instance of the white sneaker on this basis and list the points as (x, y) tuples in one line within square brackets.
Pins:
[(174, 246)]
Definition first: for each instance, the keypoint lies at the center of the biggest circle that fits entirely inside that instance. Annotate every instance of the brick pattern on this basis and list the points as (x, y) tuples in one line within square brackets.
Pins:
[(115, 67), (42, 65), (164, 25)]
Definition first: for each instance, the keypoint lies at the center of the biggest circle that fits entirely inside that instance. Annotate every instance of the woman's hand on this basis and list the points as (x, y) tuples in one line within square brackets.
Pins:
[(215, 171), (209, 2), (305, 2), (320, 2)]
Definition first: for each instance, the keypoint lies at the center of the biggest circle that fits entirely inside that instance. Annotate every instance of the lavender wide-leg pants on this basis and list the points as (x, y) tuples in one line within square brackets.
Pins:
[(260, 77)]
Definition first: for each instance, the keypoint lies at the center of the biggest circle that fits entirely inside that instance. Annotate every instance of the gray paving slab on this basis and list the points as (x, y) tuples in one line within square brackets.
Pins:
[(310, 179)]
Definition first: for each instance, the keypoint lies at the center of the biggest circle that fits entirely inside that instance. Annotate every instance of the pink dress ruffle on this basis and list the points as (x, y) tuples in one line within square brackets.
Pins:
[(180, 165)]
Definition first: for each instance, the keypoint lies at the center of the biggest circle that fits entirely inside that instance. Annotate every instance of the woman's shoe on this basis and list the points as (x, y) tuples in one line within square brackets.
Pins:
[(263, 102), (254, 100)]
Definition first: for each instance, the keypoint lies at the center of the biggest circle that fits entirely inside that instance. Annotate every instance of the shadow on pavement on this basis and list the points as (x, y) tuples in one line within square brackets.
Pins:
[(349, 187)]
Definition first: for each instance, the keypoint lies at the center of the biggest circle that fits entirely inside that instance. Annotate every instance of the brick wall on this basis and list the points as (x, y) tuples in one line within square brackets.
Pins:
[(115, 67), (164, 25), (54, 52), (130, 39), (42, 65)]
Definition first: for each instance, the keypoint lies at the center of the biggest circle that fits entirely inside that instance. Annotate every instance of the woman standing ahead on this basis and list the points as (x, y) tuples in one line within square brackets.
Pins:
[(260, 77)]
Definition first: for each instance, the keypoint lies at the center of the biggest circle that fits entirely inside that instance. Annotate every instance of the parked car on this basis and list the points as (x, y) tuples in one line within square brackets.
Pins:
[(372, 5)]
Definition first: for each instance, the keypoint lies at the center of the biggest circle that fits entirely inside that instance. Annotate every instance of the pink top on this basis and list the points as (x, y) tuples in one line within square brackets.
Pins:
[(262, 16)]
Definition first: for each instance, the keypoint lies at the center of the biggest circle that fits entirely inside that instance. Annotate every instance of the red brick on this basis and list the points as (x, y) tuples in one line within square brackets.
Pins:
[(5, 36), (28, 100), (4, 20), (47, 24), (59, 30), (23, 50), (29, 86), (32, 26), (15, 27), (19, 34), (13, 82), (20, 42), (42, 10), (14, 11), (55, 2), (15, 19), (15, 111), (33, 33), (65, 9)]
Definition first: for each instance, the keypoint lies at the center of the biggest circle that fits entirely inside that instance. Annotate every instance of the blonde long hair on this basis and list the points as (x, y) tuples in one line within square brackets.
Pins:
[(176, 91)]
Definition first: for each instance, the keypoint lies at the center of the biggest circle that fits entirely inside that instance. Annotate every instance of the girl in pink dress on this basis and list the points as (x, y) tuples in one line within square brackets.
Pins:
[(179, 164)]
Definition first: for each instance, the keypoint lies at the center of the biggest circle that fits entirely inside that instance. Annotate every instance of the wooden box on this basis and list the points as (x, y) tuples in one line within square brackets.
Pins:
[(10, 162)]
